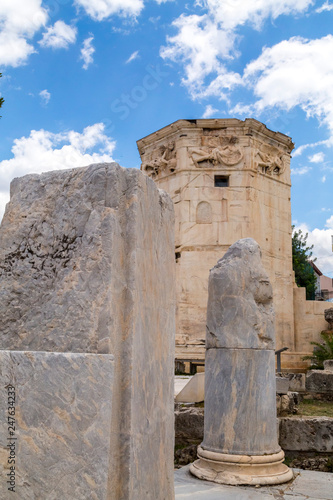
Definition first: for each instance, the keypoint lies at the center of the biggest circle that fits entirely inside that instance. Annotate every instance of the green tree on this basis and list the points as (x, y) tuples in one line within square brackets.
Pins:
[(322, 351), (304, 274), (1, 98)]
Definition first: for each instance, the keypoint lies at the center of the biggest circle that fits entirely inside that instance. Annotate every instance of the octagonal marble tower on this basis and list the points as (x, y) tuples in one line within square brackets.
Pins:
[(229, 179)]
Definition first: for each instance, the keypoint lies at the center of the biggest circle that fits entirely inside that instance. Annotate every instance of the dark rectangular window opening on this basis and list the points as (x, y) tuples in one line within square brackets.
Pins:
[(221, 180)]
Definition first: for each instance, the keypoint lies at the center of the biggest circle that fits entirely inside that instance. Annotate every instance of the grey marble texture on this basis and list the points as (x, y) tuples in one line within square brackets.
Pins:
[(240, 406), (240, 386), (328, 365), (87, 265), (69, 242), (314, 434), (319, 381), (62, 418), (240, 443), (240, 309)]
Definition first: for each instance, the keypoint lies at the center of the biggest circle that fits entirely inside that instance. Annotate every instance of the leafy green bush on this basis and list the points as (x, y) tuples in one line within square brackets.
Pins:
[(322, 351), (302, 253)]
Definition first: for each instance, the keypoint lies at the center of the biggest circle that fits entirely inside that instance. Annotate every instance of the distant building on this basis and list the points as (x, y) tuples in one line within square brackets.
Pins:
[(324, 290), (230, 179)]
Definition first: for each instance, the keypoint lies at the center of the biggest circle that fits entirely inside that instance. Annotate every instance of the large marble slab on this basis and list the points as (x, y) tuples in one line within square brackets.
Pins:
[(56, 436), (87, 265)]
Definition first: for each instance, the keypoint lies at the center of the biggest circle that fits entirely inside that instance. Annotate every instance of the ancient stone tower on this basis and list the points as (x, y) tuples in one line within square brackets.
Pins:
[(229, 179)]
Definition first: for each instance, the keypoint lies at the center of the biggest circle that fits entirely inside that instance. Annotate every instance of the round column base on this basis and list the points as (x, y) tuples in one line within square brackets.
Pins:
[(241, 469)]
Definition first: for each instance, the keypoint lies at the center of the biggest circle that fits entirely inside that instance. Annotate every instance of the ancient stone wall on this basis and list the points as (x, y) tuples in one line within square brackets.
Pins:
[(229, 179), (309, 321)]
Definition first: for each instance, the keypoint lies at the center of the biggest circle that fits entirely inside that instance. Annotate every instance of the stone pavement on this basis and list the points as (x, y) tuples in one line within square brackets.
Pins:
[(308, 485)]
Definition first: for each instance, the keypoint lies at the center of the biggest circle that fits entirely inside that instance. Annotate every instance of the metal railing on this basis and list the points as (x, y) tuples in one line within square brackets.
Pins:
[(278, 358), (324, 295)]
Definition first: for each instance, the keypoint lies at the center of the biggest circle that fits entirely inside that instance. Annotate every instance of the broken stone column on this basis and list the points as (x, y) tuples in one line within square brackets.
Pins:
[(87, 336), (240, 443)]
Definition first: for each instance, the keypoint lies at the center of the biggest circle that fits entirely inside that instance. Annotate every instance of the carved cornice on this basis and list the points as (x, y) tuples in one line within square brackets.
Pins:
[(250, 128)]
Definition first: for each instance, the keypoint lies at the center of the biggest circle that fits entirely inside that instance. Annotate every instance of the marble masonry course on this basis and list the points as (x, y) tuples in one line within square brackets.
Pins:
[(87, 267)]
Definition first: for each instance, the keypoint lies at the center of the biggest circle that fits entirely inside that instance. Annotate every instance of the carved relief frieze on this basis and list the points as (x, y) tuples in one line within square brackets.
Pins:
[(161, 160), (271, 161), (216, 150)]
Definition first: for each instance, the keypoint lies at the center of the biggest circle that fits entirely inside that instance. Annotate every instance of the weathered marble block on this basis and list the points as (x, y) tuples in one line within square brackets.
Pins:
[(329, 317), (328, 365), (87, 266), (314, 434), (240, 311), (241, 386), (319, 381), (240, 443), (60, 422)]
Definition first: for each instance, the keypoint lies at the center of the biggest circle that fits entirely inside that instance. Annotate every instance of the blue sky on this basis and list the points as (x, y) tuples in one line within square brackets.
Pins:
[(84, 79)]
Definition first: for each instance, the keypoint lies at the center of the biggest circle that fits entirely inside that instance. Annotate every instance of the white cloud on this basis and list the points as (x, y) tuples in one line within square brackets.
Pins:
[(204, 41), (19, 21), (242, 109), (154, 20), (43, 151), (295, 72), (321, 239), (59, 36), (133, 56), (325, 7), (317, 158), (329, 222), (45, 96), (300, 171), (233, 13), (209, 111), (218, 87), (4, 199), (200, 45), (323, 179), (102, 9), (87, 52), (299, 151)]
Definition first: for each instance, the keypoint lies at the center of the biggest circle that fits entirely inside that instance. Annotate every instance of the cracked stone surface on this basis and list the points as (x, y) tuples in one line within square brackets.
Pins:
[(62, 241), (63, 409), (307, 434), (87, 266), (307, 485), (240, 407), (240, 308)]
